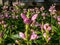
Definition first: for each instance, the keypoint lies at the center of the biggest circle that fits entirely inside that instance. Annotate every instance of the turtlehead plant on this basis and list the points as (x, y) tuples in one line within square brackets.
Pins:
[(29, 26)]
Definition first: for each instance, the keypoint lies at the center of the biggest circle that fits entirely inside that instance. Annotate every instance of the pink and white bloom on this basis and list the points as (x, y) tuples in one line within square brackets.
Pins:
[(27, 21), (44, 35), (37, 24), (41, 26), (13, 16), (42, 8), (16, 16), (52, 9), (58, 22), (54, 16), (34, 17), (5, 25), (34, 36), (43, 14), (23, 16), (24, 11), (58, 18), (49, 38), (22, 35), (47, 27)]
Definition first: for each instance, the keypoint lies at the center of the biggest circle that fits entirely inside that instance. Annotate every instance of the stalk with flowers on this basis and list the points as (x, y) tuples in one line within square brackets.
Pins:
[(32, 26)]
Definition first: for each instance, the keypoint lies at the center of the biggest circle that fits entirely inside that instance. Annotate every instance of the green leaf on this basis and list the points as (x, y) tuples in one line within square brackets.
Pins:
[(38, 32), (54, 29), (15, 36)]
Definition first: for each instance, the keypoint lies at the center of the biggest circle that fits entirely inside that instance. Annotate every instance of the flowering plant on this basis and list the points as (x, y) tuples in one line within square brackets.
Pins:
[(34, 26)]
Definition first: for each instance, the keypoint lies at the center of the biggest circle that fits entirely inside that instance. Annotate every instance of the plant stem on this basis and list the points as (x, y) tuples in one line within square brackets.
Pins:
[(27, 28), (26, 33), (42, 30)]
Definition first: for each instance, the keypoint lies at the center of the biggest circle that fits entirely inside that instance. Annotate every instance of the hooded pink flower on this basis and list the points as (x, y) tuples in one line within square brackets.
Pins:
[(47, 27), (58, 22), (27, 21), (22, 35), (5, 25), (16, 16), (42, 8), (23, 16), (13, 16), (54, 16), (49, 38), (37, 24), (34, 17), (58, 18), (44, 35), (52, 9), (25, 11), (41, 26), (43, 14), (34, 36)]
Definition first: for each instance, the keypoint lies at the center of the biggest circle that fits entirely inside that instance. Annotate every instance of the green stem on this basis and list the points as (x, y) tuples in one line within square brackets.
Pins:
[(1, 41), (27, 28), (47, 35), (35, 42), (42, 30), (26, 33)]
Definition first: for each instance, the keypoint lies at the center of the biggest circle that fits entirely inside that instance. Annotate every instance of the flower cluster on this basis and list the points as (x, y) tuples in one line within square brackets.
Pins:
[(29, 26), (32, 37)]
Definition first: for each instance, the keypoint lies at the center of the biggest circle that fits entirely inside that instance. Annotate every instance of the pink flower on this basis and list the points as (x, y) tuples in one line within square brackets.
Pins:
[(5, 7), (23, 16), (22, 35), (43, 14), (44, 35), (58, 18), (47, 27), (2, 22), (37, 24), (54, 16), (49, 39), (27, 21), (16, 16), (41, 26), (34, 36), (31, 10), (34, 17), (15, 3), (5, 25), (58, 22), (52, 9), (34, 23), (25, 11), (1, 16), (42, 8), (13, 16)]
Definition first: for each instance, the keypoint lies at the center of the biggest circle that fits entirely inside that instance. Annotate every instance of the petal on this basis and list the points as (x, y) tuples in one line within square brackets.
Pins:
[(22, 35), (34, 17), (23, 16), (27, 21)]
